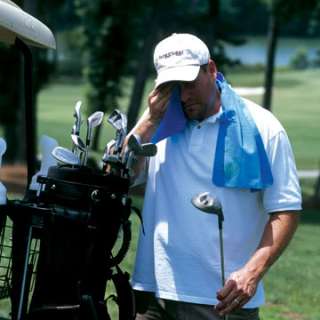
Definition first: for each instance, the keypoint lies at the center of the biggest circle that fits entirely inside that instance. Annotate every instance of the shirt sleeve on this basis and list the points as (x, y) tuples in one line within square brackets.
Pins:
[(285, 192)]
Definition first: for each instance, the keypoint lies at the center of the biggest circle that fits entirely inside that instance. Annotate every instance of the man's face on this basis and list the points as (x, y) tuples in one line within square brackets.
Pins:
[(199, 97)]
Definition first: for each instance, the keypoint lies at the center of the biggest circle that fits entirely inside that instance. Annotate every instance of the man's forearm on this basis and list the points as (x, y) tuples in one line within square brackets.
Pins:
[(144, 129), (277, 235)]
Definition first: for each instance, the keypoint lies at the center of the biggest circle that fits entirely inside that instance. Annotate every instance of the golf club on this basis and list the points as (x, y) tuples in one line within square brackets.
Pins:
[(211, 205), (93, 121), (77, 115), (79, 144), (119, 121), (108, 151), (65, 156), (135, 148), (146, 149)]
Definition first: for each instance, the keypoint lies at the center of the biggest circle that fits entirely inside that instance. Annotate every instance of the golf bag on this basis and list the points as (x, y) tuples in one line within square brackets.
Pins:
[(77, 218)]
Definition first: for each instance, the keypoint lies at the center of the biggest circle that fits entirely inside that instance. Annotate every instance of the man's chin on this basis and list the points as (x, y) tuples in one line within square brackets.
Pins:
[(193, 116)]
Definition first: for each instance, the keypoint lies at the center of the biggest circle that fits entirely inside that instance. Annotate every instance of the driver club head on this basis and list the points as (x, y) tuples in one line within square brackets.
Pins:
[(207, 203), (65, 156)]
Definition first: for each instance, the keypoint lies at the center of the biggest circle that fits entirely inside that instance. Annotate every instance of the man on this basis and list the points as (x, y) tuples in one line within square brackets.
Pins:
[(231, 148)]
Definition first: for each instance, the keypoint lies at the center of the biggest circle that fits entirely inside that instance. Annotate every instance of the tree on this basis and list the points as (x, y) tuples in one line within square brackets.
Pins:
[(280, 13), (106, 30), (110, 27)]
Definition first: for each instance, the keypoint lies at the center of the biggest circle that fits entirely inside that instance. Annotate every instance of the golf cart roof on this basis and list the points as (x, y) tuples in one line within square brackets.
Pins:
[(16, 23)]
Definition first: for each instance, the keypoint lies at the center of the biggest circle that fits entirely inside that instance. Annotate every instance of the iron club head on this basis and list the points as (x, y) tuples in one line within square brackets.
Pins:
[(77, 115), (93, 121), (78, 142), (65, 156), (118, 120)]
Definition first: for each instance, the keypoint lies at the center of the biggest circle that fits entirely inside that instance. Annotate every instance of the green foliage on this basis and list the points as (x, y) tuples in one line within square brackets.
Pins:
[(299, 60), (106, 36)]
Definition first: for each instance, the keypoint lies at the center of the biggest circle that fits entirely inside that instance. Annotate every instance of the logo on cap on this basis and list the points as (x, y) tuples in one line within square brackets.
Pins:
[(171, 53)]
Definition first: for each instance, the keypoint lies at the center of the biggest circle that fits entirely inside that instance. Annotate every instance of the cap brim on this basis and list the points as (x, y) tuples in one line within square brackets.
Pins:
[(185, 73)]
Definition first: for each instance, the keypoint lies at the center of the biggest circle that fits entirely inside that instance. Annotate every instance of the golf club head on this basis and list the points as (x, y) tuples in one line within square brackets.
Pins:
[(149, 149), (145, 150), (134, 143), (93, 121), (207, 203), (96, 118), (77, 115), (78, 142), (65, 156), (118, 120), (109, 149)]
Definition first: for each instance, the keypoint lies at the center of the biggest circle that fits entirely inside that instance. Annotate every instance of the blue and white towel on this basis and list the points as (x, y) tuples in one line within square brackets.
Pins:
[(240, 159)]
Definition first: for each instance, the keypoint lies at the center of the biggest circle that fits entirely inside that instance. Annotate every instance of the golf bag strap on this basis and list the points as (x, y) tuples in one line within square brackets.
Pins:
[(126, 227), (125, 296), (138, 213)]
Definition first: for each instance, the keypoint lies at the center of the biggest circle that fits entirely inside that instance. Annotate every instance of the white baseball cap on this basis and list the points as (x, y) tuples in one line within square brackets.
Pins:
[(179, 57)]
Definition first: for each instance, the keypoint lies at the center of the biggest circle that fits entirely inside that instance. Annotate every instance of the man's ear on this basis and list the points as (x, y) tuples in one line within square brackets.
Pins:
[(212, 68)]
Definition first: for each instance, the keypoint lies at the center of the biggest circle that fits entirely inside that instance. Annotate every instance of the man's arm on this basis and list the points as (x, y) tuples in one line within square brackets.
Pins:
[(242, 284), (148, 124)]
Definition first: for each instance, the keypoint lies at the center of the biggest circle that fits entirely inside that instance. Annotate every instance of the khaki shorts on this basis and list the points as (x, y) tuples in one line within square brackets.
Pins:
[(151, 308)]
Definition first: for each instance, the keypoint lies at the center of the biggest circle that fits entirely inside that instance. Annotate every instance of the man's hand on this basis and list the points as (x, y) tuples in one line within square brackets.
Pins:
[(238, 290), (158, 101)]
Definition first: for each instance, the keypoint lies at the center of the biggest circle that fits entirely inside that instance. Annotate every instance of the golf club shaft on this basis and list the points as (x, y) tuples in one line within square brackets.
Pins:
[(223, 276), (222, 257)]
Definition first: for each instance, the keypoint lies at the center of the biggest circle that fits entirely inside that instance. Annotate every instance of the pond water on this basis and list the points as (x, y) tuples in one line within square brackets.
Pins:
[(254, 50)]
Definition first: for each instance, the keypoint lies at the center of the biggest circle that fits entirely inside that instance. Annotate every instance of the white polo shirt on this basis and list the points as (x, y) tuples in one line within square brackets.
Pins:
[(178, 258)]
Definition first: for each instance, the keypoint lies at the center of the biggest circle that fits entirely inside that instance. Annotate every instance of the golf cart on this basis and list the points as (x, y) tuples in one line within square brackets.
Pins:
[(56, 245)]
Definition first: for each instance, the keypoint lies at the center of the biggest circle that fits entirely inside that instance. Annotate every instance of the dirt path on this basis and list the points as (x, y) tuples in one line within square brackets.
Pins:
[(14, 177)]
